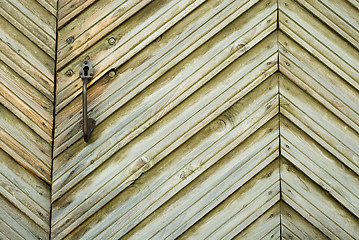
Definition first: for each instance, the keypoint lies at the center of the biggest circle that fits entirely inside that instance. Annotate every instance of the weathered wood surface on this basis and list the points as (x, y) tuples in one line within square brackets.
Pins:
[(27, 68), (199, 94), (224, 120)]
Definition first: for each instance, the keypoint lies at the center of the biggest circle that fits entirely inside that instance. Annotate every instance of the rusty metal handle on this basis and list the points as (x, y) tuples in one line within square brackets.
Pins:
[(86, 74)]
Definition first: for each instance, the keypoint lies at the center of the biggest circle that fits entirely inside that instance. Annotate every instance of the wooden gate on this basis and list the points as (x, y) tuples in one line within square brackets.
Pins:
[(235, 119)]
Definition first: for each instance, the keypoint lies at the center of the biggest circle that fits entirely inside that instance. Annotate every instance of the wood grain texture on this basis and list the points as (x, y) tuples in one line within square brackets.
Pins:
[(27, 69), (234, 119), (182, 111)]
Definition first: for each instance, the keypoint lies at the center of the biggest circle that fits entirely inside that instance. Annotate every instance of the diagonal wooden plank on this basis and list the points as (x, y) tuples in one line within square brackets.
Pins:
[(24, 145), (319, 40), (91, 25), (133, 35), (26, 102), (315, 205), (266, 226), (320, 166), (320, 124), (27, 67), (157, 101), (338, 15), (189, 161), (15, 225), (26, 59), (34, 21), (294, 226), (108, 94), (317, 80), (69, 9), (182, 129), (245, 205)]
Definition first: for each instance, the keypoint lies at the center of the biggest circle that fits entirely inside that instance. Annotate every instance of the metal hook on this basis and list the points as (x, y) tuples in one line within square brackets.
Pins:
[(86, 74)]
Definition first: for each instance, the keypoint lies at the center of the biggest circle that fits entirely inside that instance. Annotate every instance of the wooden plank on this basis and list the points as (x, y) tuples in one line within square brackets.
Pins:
[(241, 208), (20, 54), (314, 36), (108, 95), (25, 191), (15, 225), (124, 117), (68, 9), (27, 148), (320, 124), (320, 166), (91, 25), (338, 15), (26, 102), (132, 35), (207, 147), (266, 226), (92, 165), (295, 226), (318, 81), (135, 162), (33, 21), (316, 206)]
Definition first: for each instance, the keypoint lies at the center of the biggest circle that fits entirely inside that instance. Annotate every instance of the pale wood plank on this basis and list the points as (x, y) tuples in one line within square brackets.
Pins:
[(204, 149), (320, 166), (107, 95), (26, 59), (338, 15), (133, 36), (17, 225), (25, 191), (241, 208), (313, 35), (25, 102), (318, 81), (180, 134), (125, 117), (30, 150), (316, 206), (295, 226), (92, 25), (24, 25), (106, 133), (70, 9), (266, 226), (50, 5), (320, 124)]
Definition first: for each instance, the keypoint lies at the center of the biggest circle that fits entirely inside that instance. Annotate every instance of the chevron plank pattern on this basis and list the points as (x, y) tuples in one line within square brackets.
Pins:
[(234, 119), (164, 87), (319, 134), (27, 67)]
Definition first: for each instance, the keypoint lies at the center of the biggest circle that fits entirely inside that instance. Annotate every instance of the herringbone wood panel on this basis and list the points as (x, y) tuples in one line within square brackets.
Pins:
[(224, 120), (27, 68)]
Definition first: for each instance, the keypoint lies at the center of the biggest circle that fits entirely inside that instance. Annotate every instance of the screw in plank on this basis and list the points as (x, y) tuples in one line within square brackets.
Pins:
[(111, 73), (70, 40), (112, 41), (69, 73)]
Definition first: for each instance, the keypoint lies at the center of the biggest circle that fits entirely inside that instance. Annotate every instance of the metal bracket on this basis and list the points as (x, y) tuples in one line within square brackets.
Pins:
[(86, 74)]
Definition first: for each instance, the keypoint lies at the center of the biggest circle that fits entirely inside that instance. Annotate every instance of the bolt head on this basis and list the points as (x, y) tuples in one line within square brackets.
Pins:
[(70, 40), (69, 73), (112, 73), (112, 41)]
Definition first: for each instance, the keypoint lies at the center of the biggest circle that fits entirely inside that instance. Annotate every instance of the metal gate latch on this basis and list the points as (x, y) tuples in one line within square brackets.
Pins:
[(86, 74)]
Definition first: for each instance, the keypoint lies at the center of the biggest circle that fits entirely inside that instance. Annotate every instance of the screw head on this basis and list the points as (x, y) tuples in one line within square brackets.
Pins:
[(112, 41), (69, 73), (70, 40), (111, 73)]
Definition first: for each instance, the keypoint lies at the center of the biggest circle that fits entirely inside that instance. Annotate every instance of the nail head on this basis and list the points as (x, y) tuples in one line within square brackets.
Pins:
[(70, 40), (112, 41)]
